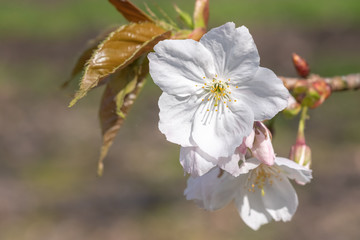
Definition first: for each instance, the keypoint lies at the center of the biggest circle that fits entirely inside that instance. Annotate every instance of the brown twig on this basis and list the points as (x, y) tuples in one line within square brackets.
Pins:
[(337, 83)]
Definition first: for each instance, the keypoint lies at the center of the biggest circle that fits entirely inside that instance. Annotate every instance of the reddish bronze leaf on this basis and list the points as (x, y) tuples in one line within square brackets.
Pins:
[(130, 11), (91, 46), (119, 96), (117, 51)]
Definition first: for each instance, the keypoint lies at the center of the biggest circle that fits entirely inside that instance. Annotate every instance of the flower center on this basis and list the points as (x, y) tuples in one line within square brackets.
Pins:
[(262, 175), (217, 93)]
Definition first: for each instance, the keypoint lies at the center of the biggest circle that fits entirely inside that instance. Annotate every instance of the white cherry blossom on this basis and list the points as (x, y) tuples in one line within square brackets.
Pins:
[(214, 90), (263, 194)]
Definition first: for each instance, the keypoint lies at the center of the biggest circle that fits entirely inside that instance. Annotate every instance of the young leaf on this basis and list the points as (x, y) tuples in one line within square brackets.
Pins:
[(130, 11), (91, 46), (184, 16), (117, 51), (117, 99)]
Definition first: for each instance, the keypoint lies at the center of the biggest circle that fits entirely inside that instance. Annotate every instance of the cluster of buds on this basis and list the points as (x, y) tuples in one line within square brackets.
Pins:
[(309, 92), (312, 91)]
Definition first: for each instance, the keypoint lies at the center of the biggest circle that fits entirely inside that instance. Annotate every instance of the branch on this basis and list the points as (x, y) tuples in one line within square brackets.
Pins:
[(337, 83)]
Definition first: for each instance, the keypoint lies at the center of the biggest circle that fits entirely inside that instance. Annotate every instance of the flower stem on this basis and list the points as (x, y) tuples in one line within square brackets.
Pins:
[(301, 130)]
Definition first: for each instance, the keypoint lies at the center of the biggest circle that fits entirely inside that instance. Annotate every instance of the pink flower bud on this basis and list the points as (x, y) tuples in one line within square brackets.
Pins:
[(262, 147), (302, 67), (201, 14), (323, 89), (301, 154)]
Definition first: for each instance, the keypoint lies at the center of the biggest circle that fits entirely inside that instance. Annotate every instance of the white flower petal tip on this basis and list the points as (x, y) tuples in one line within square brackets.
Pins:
[(193, 161), (261, 195), (211, 191), (294, 171), (214, 89)]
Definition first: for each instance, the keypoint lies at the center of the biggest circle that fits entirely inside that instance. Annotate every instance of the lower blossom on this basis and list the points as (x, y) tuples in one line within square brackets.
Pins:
[(262, 194)]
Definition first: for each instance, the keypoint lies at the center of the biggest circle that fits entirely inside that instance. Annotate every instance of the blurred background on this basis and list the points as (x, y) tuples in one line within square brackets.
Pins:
[(48, 152)]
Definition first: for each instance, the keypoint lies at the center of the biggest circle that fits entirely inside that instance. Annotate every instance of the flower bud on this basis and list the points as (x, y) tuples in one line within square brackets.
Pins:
[(262, 147), (301, 154), (201, 14), (302, 67), (323, 89), (311, 92)]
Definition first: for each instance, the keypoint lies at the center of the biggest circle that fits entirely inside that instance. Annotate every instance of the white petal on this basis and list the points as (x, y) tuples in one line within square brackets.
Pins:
[(293, 170), (251, 208), (176, 117), (234, 52), (196, 162), (250, 164), (213, 190), (266, 94), (177, 66), (221, 133), (231, 164), (193, 161), (280, 199)]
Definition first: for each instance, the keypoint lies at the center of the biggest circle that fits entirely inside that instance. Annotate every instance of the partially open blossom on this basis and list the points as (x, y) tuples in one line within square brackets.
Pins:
[(214, 89), (262, 194), (262, 148)]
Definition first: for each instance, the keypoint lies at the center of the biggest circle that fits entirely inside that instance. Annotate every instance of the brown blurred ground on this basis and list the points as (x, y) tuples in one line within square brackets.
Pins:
[(48, 153)]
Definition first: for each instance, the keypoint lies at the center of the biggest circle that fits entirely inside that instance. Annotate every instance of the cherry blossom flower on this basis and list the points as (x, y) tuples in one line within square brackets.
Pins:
[(214, 90), (263, 194)]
